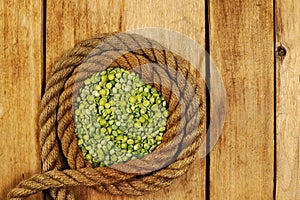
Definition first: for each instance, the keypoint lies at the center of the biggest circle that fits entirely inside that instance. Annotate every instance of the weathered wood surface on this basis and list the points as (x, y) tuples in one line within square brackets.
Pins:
[(20, 91), (288, 100), (261, 100), (241, 44)]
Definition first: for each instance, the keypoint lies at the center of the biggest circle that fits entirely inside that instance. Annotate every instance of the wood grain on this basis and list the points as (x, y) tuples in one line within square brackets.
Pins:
[(242, 47), (20, 91), (288, 101), (71, 21), (241, 43)]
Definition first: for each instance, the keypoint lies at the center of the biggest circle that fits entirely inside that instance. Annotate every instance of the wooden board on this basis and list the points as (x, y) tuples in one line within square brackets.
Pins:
[(242, 47), (241, 44), (288, 100), (20, 91), (72, 21)]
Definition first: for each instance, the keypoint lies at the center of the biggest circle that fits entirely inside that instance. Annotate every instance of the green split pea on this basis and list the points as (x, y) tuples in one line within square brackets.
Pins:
[(118, 117)]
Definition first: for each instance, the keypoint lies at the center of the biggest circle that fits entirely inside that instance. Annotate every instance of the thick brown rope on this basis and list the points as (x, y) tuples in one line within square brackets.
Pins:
[(63, 163)]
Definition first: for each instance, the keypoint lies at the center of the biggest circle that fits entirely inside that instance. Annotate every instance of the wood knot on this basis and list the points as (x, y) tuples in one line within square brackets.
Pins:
[(281, 52)]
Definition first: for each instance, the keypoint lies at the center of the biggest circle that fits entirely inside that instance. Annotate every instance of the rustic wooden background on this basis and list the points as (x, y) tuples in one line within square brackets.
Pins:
[(258, 154)]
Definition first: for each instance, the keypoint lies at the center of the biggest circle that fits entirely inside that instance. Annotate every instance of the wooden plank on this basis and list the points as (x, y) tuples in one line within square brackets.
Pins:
[(20, 91), (288, 96), (241, 43), (68, 23)]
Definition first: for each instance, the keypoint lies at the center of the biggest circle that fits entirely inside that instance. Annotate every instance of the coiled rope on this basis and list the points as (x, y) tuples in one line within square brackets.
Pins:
[(63, 163)]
